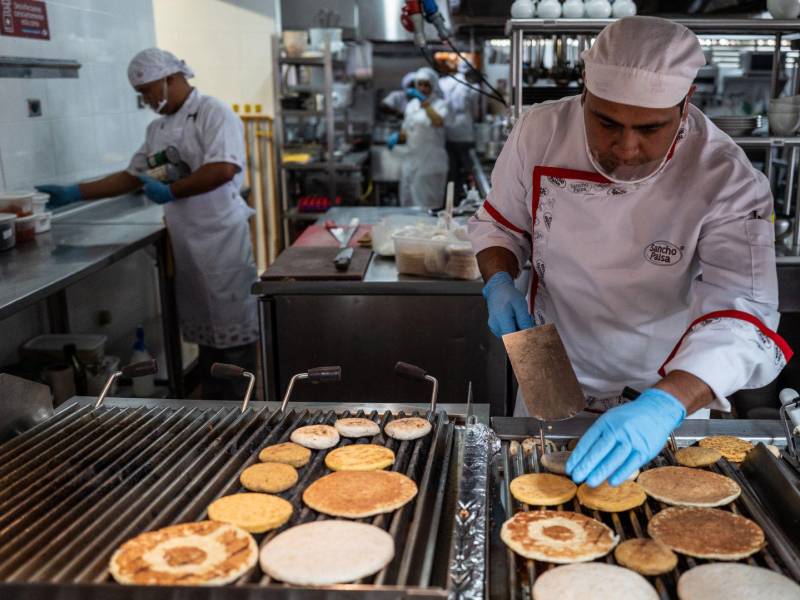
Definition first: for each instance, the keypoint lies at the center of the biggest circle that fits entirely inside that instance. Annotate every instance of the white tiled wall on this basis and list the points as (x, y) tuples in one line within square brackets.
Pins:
[(90, 125)]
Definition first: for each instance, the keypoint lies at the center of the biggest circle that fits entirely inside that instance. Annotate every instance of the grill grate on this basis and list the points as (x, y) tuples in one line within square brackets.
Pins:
[(76, 486), (519, 574)]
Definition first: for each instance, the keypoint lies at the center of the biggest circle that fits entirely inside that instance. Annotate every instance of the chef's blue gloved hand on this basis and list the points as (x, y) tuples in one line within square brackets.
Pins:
[(157, 191), (393, 140), (61, 195), (415, 93), (625, 438), (508, 309)]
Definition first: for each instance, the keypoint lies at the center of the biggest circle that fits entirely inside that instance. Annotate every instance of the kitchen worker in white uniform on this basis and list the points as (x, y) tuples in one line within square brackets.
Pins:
[(206, 217), (463, 103), (424, 170), (651, 245)]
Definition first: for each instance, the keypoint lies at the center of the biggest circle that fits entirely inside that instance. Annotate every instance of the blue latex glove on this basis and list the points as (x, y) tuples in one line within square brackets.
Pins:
[(415, 93), (158, 192), (508, 308), (625, 438), (61, 195), (393, 140)]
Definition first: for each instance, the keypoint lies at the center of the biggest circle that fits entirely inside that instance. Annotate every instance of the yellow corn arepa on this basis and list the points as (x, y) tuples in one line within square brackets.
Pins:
[(733, 448), (287, 453), (697, 456), (626, 496), (542, 489), (359, 457), (252, 512), (359, 494), (269, 477), (645, 556)]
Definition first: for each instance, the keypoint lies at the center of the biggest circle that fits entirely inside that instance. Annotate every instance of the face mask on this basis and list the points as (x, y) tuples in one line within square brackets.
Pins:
[(633, 174), (163, 102)]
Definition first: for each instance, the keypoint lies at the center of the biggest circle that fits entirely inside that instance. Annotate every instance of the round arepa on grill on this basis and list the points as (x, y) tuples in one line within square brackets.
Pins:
[(607, 498), (557, 536), (731, 447), (645, 556), (202, 553), (706, 533), (356, 427), (735, 581), (410, 428), (542, 489), (359, 494), (287, 453), (252, 512), (269, 477), (359, 457), (327, 553), (684, 486), (697, 456), (592, 581), (316, 437)]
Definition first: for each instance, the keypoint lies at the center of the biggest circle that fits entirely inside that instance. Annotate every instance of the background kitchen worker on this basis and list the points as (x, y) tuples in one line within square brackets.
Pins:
[(206, 217), (395, 102), (463, 104), (651, 245), (424, 170)]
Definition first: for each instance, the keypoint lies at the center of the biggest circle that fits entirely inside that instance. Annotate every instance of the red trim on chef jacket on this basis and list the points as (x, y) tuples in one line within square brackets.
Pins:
[(560, 173), (497, 216), (732, 314)]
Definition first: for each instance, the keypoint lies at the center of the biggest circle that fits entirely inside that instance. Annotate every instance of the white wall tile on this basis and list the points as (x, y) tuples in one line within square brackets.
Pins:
[(14, 98), (69, 97), (27, 153), (74, 144), (111, 133)]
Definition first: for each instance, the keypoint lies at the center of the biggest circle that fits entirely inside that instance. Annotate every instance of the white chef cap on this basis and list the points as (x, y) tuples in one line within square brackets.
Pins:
[(643, 61), (429, 75), (408, 79), (153, 64)]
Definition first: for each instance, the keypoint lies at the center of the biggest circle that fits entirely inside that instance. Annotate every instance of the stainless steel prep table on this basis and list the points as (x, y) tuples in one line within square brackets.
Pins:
[(84, 239), (366, 326)]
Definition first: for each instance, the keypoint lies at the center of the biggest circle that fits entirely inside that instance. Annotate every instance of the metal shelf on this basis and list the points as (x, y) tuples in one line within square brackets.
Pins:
[(320, 166), (307, 61), (699, 26), (302, 113), (766, 142)]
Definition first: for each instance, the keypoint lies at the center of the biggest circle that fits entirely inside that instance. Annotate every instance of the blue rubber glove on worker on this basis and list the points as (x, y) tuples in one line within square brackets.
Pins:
[(625, 438), (157, 191), (393, 140), (508, 308), (415, 93), (61, 195)]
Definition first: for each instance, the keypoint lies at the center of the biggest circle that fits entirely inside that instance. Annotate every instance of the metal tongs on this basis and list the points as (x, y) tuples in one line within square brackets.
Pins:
[(228, 371), (409, 371), (315, 375), (139, 369)]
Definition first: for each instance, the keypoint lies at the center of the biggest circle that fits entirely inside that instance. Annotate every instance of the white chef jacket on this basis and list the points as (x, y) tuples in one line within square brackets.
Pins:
[(463, 104), (424, 170), (674, 273), (396, 100), (209, 233)]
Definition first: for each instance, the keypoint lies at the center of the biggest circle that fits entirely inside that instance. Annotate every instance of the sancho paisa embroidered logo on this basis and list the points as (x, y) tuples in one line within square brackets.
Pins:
[(663, 253)]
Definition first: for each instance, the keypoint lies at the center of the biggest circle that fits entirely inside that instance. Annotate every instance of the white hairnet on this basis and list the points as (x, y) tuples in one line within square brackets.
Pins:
[(643, 61), (153, 64), (408, 80), (429, 75)]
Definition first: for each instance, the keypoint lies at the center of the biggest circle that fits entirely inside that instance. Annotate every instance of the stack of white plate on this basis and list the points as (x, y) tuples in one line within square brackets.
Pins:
[(737, 126)]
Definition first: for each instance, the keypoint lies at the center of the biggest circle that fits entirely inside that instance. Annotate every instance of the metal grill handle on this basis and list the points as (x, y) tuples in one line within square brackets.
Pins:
[(139, 369), (315, 375), (228, 371), (409, 371)]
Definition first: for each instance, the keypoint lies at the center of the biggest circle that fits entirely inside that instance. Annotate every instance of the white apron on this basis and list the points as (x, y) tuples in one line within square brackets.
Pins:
[(423, 175), (210, 237)]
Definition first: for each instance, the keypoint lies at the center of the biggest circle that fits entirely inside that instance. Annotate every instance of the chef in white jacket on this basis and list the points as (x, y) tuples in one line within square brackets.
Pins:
[(651, 245), (206, 217), (463, 103), (424, 170)]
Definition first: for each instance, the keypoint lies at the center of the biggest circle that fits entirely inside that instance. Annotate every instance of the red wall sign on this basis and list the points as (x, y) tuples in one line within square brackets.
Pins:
[(24, 18)]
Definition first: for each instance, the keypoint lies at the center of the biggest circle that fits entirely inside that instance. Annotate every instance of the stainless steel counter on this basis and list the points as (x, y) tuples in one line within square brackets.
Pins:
[(86, 237), (82, 241)]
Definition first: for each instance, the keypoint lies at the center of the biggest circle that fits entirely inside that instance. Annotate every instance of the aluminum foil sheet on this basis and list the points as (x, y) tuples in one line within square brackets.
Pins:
[(469, 559)]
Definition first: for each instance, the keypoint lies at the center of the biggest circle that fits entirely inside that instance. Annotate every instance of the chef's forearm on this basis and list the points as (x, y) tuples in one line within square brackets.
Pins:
[(494, 259), (109, 186), (689, 389), (435, 117), (205, 179)]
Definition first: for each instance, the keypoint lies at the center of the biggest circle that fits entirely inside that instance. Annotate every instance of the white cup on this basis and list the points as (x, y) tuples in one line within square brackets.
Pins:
[(783, 122)]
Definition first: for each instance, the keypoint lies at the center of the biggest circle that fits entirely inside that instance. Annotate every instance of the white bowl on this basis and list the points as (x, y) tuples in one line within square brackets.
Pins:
[(784, 123), (573, 9)]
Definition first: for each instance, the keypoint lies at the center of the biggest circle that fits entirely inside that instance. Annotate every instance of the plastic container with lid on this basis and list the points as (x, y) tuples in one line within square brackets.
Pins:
[(434, 252), (19, 203), (8, 236), (40, 201), (91, 348), (26, 228)]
